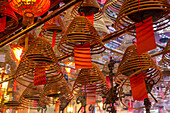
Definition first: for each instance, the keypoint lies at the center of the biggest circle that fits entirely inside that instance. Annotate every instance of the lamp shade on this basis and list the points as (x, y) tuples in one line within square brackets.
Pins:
[(133, 64), (30, 7)]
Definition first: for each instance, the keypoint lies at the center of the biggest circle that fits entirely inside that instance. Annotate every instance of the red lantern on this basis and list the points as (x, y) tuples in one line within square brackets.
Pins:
[(30, 8)]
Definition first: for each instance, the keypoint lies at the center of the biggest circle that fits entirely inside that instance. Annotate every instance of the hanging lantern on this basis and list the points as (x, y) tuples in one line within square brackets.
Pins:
[(38, 56), (11, 20), (88, 7), (132, 12), (79, 32), (165, 61), (30, 8), (30, 95), (90, 80), (134, 64)]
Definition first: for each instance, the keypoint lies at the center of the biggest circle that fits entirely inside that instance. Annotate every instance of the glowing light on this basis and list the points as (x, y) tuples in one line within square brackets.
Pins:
[(70, 109), (17, 52), (101, 105), (68, 70)]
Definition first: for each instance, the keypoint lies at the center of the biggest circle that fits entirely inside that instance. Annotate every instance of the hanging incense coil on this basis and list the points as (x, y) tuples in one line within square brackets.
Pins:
[(87, 7), (111, 8), (13, 100), (132, 64), (132, 12), (165, 61), (100, 26), (89, 80), (80, 31), (30, 94), (39, 55), (57, 90), (54, 24), (63, 103), (11, 18)]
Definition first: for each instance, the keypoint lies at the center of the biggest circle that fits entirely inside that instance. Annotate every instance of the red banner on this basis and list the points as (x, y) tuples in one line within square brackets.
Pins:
[(145, 36), (138, 87), (39, 77), (82, 56)]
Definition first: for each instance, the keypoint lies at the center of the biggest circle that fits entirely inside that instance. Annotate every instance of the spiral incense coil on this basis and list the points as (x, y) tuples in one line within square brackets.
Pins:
[(111, 8), (13, 101), (132, 12), (30, 94), (165, 62), (39, 55), (54, 24), (63, 103), (11, 20), (132, 64), (58, 89), (87, 7), (55, 91), (49, 36), (100, 26), (80, 31), (89, 80)]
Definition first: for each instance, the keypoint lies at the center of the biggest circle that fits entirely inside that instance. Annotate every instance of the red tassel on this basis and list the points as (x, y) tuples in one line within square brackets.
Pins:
[(39, 77), (138, 87), (53, 40), (145, 36), (2, 23)]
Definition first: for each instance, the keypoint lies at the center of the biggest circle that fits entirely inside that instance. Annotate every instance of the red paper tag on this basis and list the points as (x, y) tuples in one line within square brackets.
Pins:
[(2, 23), (138, 87), (91, 94), (57, 107), (39, 77), (108, 81), (15, 84), (53, 40), (145, 36), (82, 56), (91, 17)]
